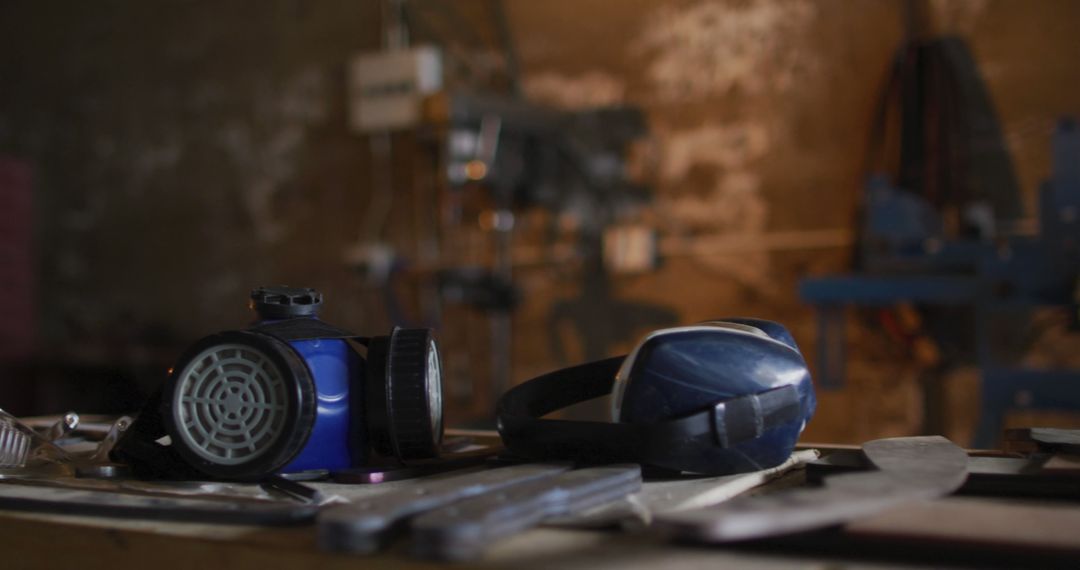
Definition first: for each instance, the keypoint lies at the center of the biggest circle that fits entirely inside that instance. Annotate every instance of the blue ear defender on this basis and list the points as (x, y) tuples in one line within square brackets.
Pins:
[(718, 397)]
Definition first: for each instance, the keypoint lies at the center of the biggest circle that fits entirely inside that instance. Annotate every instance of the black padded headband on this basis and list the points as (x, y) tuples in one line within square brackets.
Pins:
[(662, 444)]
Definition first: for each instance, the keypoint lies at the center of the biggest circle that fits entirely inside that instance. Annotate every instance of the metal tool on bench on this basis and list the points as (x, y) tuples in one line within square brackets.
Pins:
[(676, 494), (365, 526), (463, 530), (67, 501), (912, 468), (26, 453), (63, 426), (99, 463)]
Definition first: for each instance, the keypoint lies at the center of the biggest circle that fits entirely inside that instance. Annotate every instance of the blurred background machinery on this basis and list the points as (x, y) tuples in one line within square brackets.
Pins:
[(944, 259), (495, 157)]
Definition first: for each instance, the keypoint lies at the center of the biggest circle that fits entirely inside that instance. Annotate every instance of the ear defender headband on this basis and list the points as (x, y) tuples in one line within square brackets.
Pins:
[(715, 398)]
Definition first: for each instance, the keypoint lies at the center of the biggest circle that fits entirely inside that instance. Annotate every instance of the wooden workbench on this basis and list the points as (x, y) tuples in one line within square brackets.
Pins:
[(38, 541), (34, 541)]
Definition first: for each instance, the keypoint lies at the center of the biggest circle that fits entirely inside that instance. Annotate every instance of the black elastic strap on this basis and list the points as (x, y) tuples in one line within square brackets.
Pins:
[(138, 446), (748, 417), (726, 424), (304, 329)]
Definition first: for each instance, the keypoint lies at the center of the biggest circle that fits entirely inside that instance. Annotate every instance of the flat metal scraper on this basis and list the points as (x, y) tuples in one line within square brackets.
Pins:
[(463, 530), (365, 526), (910, 468), (81, 502)]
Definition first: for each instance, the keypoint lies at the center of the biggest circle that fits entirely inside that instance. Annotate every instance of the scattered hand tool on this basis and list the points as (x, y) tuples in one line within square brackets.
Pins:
[(63, 426), (363, 527), (463, 530), (911, 468), (62, 501), (1001, 476), (22, 450), (298, 491), (1043, 439), (679, 494), (98, 464)]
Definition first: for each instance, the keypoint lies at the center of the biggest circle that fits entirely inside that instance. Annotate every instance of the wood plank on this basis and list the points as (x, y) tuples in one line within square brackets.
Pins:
[(978, 522)]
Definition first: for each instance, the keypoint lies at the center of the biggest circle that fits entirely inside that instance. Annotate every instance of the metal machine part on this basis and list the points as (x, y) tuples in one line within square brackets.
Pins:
[(233, 402), (99, 463), (21, 447), (463, 530), (975, 294), (63, 426), (911, 468), (365, 526), (25, 453)]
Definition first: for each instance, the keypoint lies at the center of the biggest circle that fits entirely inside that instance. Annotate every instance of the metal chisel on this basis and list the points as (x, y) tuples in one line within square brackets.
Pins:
[(363, 527), (63, 501), (463, 530)]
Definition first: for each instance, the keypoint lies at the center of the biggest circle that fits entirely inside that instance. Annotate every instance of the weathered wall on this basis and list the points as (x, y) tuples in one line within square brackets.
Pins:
[(183, 150), (187, 150)]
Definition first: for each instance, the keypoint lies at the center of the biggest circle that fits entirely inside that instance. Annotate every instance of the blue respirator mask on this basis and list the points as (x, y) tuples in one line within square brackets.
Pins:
[(292, 393), (716, 398)]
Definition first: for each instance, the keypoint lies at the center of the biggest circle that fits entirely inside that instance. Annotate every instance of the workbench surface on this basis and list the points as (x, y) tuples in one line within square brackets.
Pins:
[(46, 541), (87, 543)]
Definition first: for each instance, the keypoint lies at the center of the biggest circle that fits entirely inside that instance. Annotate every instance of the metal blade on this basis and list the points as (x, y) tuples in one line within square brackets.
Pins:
[(65, 501), (365, 526), (911, 469), (462, 531)]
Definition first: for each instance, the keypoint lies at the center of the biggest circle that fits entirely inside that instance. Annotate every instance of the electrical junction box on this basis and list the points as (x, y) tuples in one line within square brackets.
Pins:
[(386, 88), (630, 248)]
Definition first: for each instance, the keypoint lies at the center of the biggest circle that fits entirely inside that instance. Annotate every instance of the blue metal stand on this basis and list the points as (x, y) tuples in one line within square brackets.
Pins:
[(993, 278)]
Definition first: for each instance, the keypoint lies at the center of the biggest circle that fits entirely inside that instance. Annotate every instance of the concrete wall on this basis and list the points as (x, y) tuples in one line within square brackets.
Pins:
[(185, 151)]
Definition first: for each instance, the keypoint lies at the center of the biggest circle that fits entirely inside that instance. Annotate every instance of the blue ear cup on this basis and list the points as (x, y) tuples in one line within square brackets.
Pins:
[(681, 371), (719, 397)]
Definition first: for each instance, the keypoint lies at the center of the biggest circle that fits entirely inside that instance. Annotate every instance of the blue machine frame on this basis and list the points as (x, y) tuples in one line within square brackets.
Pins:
[(992, 277)]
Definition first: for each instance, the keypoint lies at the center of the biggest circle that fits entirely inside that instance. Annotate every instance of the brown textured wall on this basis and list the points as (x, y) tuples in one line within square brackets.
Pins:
[(187, 150)]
